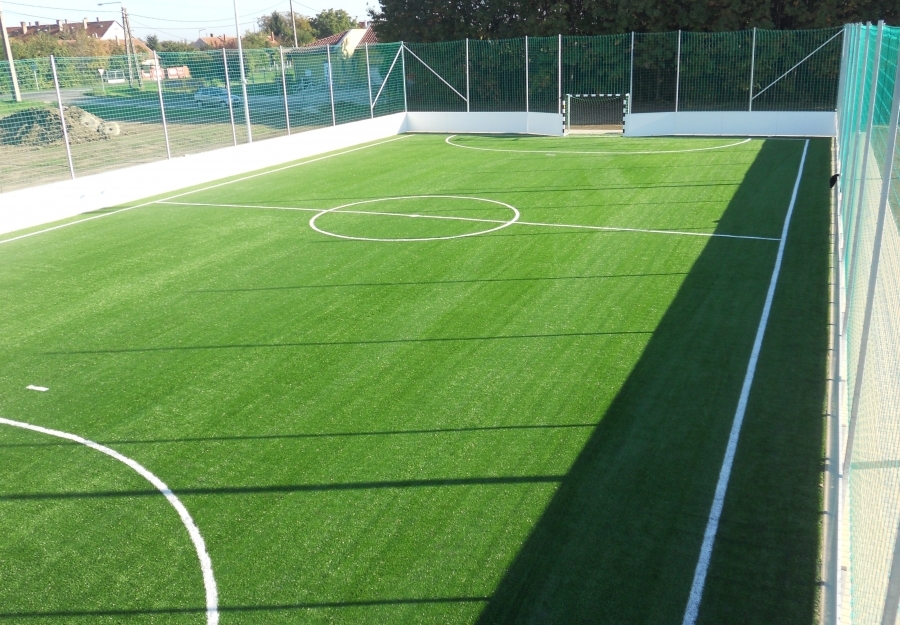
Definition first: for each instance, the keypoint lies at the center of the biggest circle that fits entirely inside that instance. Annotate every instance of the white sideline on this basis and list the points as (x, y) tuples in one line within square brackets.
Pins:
[(209, 581), (715, 513), (213, 186), (495, 221)]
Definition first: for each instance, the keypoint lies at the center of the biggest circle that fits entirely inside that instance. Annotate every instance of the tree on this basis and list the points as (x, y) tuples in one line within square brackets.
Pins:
[(253, 40), (442, 20), (152, 42), (174, 46), (279, 24), (332, 21)]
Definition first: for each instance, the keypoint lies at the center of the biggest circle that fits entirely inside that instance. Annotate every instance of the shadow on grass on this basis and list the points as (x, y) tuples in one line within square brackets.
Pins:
[(619, 541)]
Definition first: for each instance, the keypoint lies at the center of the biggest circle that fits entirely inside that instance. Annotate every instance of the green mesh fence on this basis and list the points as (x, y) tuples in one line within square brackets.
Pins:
[(714, 73), (181, 103), (869, 322)]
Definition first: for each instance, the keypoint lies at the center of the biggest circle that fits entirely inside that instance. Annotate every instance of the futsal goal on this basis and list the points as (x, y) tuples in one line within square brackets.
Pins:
[(595, 113)]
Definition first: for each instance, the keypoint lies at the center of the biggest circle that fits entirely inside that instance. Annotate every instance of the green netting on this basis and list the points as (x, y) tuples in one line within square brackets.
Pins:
[(869, 322), (543, 74), (189, 102), (655, 72), (714, 73), (497, 75), (796, 70), (436, 76)]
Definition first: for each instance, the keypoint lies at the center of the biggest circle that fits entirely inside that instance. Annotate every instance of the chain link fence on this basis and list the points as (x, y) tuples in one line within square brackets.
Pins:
[(128, 110), (868, 325)]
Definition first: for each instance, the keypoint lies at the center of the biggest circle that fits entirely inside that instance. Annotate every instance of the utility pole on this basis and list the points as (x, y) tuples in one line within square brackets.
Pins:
[(9, 57), (293, 24)]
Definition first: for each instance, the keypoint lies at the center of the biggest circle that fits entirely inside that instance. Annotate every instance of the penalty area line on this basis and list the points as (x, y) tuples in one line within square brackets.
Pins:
[(712, 525), (209, 581), (214, 186)]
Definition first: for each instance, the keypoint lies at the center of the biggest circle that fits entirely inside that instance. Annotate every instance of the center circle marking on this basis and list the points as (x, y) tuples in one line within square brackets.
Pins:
[(515, 218)]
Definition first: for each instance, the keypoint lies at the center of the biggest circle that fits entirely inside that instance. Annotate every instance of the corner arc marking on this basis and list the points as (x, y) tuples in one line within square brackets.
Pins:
[(209, 581)]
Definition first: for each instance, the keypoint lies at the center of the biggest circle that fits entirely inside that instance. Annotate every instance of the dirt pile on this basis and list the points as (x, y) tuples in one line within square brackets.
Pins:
[(40, 127)]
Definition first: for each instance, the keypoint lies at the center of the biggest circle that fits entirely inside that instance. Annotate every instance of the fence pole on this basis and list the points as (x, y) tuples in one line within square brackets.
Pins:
[(526, 74), (468, 108), (243, 75), (228, 89), (287, 111), (369, 82), (559, 77), (870, 116), (403, 69), (162, 106), (752, 67), (631, 75), (678, 71), (331, 85), (17, 95), (62, 116)]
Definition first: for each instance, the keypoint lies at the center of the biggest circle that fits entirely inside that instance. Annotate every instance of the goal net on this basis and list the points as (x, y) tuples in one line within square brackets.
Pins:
[(595, 112)]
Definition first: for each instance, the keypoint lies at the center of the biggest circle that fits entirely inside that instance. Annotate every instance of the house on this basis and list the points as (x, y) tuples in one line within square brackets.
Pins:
[(214, 42), (349, 40), (106, 30)]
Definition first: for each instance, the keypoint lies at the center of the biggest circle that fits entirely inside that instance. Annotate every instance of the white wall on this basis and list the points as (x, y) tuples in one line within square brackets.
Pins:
[(732, 123), (34, 206), (512, 123)]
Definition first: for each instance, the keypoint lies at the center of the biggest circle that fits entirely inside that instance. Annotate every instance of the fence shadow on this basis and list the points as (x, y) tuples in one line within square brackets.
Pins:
[(619, 541)]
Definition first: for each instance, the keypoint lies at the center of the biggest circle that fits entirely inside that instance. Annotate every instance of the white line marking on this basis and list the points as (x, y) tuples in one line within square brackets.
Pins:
[(617, 153), (712, 524), (209, 582), (503, 224), (220, 184), (32, 387), (495, 221)]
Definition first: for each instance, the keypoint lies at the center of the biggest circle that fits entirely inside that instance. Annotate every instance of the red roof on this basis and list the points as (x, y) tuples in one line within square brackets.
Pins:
[(94, 29), (337, 38)]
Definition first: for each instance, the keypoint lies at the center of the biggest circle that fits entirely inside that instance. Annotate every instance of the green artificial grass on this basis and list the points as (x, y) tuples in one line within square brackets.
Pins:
[(520, 426)]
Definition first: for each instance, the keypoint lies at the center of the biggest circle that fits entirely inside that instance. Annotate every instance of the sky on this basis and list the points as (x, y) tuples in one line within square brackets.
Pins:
[(172, 19)]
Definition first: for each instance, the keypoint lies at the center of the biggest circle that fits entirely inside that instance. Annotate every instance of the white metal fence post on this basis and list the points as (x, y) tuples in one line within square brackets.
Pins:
[(243, 75), (678, 71), (331, 84), (287, 111), (369, 83), (17, 95), (228, 89), (631, 75), (62, 116), (468, 108), (162, 106), (752, 67), (526, 74), (559, 76), (870, 116), (403, 70)]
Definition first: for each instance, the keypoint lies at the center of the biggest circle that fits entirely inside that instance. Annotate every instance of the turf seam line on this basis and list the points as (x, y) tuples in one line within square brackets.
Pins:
[(712, 525), (220, 184), (496, 221), (209, 581), (469, 147)]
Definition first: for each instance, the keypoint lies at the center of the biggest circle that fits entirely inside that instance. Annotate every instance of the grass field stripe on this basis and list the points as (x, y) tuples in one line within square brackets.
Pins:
[(469, 147), (172, 197), (495, 221), (715, 513), (209, 581)]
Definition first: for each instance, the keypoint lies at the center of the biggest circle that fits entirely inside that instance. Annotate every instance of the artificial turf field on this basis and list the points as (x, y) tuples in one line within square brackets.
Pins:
[(523, 425)]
